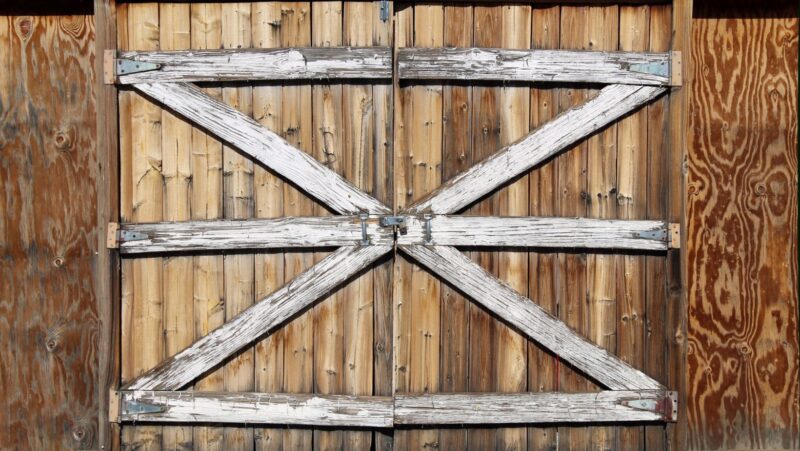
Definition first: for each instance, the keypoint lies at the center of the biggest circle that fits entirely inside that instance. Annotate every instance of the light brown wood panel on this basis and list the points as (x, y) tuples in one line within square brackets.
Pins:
[(542, 366), (49, 322), (456, 157), (742, 364), (207, 190), (141, 201)]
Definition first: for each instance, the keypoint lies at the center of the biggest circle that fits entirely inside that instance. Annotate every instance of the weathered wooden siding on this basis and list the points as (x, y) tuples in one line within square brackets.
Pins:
[(49, 323), (743, 352)]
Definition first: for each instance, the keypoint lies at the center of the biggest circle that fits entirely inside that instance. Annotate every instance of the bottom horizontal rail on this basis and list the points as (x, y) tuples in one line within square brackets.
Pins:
[(612, 406)]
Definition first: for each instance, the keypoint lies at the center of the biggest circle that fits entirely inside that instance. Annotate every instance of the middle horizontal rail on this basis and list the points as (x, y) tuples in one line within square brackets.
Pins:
[(425, 230)]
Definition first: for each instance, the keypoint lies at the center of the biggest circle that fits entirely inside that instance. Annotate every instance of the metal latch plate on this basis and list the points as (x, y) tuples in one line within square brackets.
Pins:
[(130, 235), (137, 408)]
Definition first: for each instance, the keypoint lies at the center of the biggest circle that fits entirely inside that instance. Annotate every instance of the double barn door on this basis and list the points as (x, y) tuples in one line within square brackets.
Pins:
[(358, 224)]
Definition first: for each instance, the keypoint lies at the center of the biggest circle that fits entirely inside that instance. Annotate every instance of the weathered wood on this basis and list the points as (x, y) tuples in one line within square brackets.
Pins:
[(543, 367), (264, 146), (251, 64), (207, 187), (257, 408), (562, 66), (536, 232), (272, 233), (257, 320), (610, 104), (410, 409), (521, 408), (531, 319), (178, 274)]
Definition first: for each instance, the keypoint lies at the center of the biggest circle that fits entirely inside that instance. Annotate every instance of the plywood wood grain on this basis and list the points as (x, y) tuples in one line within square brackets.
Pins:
[(742, 228)]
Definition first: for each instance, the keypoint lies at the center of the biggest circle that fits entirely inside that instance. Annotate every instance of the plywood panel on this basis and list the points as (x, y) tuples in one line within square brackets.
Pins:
[(742, 228), (48, 306)]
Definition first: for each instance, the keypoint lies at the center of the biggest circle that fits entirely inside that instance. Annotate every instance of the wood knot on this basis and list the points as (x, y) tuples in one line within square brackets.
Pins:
[(52, 344), (58, 262), (24, 26), (65, 139), (761, 189)]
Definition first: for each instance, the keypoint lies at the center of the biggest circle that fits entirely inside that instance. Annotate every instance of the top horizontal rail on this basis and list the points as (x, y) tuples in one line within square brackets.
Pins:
[(375, 63), (249, 64), (571, 66)]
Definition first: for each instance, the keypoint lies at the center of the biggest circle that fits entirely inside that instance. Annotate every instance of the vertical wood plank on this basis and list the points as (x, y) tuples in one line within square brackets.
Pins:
[(634, 35), (601, 182), (359, 153), (403, 196), (426, 147), (268, 192), (238, 204), (145, 346), (677, 309), (382, 35), (571, 188), (296, 128), (209, 311), (107, 276), (176, 145), (514, 106), (486, 140), (543, 366), (456, 157), (657, 186), (329, 320)]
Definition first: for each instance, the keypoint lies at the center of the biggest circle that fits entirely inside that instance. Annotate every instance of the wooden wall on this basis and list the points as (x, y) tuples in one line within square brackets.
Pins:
[(742, 227), (49, 321), (741, 245)]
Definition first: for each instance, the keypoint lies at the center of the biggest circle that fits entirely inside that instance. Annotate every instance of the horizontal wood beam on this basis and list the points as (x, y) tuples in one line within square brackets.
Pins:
[(256, 408), (566, 66), (567, 128), (357, 230), (264, 146), (403, 409), (224, 235), (532, 320), (535, 408), (226, 65), (269, 313), (547, 232)]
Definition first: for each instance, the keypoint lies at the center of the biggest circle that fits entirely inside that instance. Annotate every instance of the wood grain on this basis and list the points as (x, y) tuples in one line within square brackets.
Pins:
[(515, 309), (249, 64), (267, 314), (49, 304), (543, 368), (558, 66), (176, 147), (456, 157), (742, 229), (207, 190)]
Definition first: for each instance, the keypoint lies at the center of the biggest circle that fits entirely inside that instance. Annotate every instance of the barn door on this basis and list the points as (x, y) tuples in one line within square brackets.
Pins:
[(239, 117)]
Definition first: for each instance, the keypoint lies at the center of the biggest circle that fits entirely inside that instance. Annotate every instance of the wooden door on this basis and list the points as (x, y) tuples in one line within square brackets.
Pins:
[(280, 156)]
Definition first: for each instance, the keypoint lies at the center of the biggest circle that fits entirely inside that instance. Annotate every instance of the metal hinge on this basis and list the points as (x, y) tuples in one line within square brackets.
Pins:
[(658, 235), (384, 11), (125, 67), (130, 235), (137, 408), (660, 69)]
